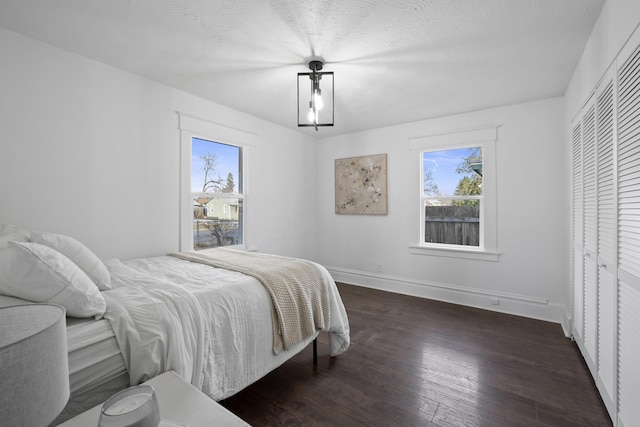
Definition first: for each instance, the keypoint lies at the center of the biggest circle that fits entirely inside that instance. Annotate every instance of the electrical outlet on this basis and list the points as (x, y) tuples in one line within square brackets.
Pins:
[(495, 301), (379, 267)]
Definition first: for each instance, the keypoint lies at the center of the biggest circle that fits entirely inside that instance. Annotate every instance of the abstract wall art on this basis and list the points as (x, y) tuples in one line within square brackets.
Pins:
[(361, 185)]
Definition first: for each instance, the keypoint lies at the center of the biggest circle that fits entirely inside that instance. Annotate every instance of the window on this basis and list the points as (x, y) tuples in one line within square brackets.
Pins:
[(456, 214), (201, 208), (452, 196), (216, 191)]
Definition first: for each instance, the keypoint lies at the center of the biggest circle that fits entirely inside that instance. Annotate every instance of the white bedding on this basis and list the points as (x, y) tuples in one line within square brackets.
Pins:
[(96, 367), (94, 356), (212, 326)]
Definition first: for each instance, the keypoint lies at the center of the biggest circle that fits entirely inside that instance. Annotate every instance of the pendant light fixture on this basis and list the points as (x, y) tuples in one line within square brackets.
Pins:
[(315, 97)]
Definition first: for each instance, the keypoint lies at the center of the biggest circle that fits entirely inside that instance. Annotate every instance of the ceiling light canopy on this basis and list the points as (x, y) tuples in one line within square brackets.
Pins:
[(315, 96)]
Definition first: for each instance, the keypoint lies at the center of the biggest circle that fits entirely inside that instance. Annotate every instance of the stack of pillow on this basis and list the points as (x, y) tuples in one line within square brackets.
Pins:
[(52, 268)]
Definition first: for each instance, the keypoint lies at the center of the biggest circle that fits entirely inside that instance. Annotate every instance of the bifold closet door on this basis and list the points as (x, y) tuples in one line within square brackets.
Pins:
[(628, 130), (607, 291), (590, 238), (577, 232)]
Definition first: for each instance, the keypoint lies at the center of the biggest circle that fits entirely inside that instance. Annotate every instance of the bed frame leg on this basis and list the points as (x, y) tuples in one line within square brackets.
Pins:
[(315, 351)]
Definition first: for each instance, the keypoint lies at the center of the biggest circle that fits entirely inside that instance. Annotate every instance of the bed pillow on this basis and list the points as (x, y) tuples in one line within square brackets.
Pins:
[(39, 273), (79, 254), (10, 232)]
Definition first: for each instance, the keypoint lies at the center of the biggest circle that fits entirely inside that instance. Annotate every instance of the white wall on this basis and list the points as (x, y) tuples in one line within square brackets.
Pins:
[(613, 28), (532, 221), (92, 151)]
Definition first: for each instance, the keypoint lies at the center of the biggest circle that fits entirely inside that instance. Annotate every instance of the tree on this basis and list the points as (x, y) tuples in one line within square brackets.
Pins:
[(471, 183), (464, 167), (223, 231), (210, 165), (230, 184), (429, 184), (468, 187)]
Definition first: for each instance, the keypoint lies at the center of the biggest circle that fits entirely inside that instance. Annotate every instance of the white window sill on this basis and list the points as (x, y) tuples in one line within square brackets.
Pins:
[(463, 253)]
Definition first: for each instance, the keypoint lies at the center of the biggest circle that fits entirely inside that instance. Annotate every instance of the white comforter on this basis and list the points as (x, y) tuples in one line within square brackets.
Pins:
[(212, 326)]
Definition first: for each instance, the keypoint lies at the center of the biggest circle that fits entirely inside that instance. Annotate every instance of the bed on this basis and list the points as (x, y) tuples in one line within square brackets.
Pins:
[(214, 323)]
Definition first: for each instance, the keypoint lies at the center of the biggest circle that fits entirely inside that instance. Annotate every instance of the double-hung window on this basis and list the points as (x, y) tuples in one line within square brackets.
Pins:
[(457, 194), (216, 191), (452, 196), (213, 184)]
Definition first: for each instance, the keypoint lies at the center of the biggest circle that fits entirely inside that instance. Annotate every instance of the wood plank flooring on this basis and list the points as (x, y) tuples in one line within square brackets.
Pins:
[(416, 362)]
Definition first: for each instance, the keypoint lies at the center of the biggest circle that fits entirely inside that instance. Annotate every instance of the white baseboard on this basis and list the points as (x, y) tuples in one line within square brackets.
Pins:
[(520, 305)]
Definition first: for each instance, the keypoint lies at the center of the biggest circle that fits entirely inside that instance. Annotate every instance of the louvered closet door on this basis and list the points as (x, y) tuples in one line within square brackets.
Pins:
[(589, 174), (607, 292), (578, 263), (629, 239)]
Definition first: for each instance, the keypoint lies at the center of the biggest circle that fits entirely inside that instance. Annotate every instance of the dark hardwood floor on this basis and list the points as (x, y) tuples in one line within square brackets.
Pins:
[(416, 362)]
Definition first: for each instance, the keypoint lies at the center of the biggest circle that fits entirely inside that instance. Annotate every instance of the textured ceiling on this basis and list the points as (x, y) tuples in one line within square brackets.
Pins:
[(395, 61)]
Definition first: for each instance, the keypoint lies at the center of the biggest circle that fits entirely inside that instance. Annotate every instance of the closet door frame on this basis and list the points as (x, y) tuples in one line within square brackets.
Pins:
[(576, 296)]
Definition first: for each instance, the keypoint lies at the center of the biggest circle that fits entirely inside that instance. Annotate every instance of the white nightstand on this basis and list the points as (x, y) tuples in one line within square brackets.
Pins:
[(180, 403)]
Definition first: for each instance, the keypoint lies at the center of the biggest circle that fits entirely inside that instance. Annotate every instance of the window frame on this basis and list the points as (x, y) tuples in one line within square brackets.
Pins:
[(423, 199), (227, 197), (193, 127), (486, 139)]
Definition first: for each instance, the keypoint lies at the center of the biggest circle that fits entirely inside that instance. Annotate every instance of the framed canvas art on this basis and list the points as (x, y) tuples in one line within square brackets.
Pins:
[(361, 185)]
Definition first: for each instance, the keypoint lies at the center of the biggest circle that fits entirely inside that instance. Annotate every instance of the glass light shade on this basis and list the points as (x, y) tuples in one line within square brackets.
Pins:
[(317, 99), (132, 407), (311, 115)]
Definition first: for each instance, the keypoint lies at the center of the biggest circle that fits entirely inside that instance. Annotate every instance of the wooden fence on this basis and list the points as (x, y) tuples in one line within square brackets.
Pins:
[(456, 225)]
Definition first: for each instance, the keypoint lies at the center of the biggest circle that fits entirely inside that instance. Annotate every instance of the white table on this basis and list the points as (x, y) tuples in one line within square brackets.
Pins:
[(180, 403)]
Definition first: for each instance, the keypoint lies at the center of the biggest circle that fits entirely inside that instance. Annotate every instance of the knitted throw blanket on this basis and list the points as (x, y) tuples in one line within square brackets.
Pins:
[(299, 295)]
